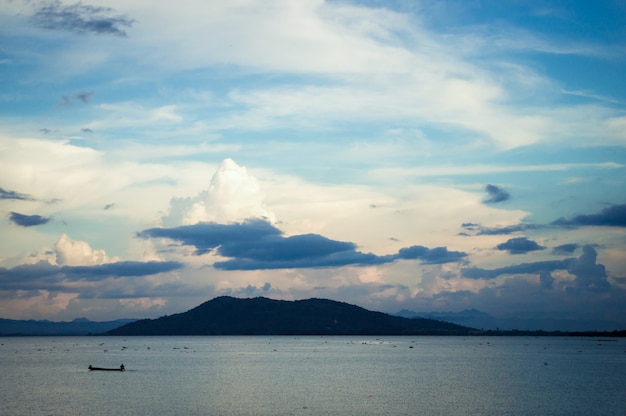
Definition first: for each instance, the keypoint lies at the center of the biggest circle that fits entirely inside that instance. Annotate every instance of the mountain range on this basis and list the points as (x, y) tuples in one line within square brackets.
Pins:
[(481, 320), (79, 326), (262, 316)]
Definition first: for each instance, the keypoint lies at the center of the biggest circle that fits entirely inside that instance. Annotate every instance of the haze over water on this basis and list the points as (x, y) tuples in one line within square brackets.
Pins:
[(313, 376)]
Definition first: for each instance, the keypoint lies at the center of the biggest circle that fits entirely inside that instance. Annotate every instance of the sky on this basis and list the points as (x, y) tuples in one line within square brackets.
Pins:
[(420, 155)]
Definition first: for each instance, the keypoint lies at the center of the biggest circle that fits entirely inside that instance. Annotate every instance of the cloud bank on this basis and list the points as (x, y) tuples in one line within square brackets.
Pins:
[(256, 244), (613, 216), (588, 275)]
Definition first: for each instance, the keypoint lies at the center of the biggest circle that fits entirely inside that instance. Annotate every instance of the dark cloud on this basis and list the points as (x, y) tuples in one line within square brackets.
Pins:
[(84, 96), (546, 279), (108, 206), (80, 18), (519, 245), (508, 229), (477, 229), (256, 244), (4, 194), (81, 97), (523, 268), (86, 130), (205, 237), (587, 274), (27, 220), (565, 249), (496, 194), (45, 276), (437, 255), (613, 216)]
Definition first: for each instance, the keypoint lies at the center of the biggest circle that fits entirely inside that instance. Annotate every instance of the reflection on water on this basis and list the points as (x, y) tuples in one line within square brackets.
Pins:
[(313, 376)]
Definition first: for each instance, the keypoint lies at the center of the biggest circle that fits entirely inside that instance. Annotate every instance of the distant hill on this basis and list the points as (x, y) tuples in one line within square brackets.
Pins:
[(262, 316), (476, 319), (79, 326)]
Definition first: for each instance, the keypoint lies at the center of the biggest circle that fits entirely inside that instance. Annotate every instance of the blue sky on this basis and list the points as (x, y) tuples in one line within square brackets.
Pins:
[(430, 156)]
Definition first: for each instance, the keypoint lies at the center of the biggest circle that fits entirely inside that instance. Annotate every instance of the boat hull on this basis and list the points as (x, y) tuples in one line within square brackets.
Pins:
[(104, 369)]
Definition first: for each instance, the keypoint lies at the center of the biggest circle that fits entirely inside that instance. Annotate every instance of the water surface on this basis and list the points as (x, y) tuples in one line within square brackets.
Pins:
[(313, 376)]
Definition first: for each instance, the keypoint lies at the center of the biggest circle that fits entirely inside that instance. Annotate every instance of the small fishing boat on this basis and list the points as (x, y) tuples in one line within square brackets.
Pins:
[(120, 368)]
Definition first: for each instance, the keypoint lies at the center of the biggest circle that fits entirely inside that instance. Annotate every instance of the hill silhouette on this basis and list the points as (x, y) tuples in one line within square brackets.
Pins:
[(262, 316)]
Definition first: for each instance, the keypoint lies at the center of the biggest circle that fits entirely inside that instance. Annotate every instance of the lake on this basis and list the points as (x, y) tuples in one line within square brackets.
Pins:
[(210, 375)]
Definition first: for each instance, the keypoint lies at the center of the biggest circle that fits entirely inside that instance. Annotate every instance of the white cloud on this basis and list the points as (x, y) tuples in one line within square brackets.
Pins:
[(233, 195), (79, 253)]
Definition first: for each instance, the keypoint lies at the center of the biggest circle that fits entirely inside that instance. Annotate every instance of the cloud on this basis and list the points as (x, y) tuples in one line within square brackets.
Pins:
[(27, 220), (82, 96), (519, 245), (587, 274), (613, 216), (523, 268), (233, 195), (46, 276), (496, 194), (4, 194), (80, 18), (256, 244), (478, 229), (437, 255), (565, 249), (546, 280), (78, 253), (207, 236)]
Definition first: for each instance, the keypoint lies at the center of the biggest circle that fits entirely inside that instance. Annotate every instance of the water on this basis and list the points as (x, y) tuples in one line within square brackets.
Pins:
[(313, 376)]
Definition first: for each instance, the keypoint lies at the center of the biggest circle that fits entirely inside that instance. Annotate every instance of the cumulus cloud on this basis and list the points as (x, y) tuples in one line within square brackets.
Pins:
[(519, 245), (4, 194), (74, 267), (80, 18), (78, 253), (27, 220), (496, 194), (257, 244), (233, 195), (588, 275), (613, 216)]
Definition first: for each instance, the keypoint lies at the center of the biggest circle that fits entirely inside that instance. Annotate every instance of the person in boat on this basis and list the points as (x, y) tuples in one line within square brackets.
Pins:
[(122, 368), (90, 367)]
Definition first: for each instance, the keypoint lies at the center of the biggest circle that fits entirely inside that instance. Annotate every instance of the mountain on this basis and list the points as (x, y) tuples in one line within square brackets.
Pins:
[(476, 319), (469, 317), (79, 326), (262, 316)]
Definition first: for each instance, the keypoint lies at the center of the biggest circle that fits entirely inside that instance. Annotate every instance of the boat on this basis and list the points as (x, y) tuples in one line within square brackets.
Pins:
[(120, 368)]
